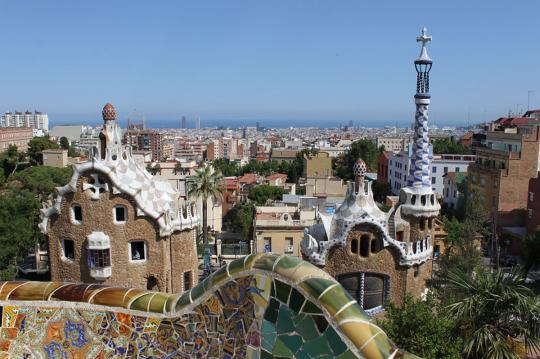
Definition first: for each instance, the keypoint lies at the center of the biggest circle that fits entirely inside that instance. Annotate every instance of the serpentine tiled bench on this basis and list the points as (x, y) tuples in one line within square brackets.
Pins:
[(261, 306)]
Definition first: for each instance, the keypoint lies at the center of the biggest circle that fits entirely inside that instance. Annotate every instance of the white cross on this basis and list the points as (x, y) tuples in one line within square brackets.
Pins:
[(96, 186), (424, 38)]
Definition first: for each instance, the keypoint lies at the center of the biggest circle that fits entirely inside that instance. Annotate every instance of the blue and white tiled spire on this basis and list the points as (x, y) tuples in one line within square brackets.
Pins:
[(419, 175)]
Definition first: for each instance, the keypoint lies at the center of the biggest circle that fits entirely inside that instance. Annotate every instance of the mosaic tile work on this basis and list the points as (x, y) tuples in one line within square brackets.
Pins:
[(261, 306)]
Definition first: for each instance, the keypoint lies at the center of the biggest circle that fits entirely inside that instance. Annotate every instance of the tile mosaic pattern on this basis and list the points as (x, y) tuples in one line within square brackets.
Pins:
[(261, 306)]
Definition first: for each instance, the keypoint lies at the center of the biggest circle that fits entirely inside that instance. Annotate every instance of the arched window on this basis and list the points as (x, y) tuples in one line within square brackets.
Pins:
[(76, 213), (422, 224), (376, 245), (364, 245), (354, 246)]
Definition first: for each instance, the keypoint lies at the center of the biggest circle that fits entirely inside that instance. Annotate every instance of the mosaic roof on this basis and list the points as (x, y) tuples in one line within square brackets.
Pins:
[(260, 306)]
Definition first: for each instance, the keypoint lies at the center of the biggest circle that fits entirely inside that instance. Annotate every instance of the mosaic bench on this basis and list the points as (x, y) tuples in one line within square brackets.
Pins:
[(260, 306)]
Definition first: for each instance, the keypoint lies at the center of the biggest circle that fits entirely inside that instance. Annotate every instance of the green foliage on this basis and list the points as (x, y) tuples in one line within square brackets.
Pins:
[(261, 194), (10, 160), (153, 170), (19, 217), (531, 251), (364, 149), (380, 190), (447, 146), (42, 180), (240, 220), (38, 144), (495, 312), (422, 328), (64, 143)]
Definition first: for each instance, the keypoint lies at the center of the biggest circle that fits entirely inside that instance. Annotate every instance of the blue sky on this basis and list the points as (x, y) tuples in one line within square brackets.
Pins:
[(289, 61)]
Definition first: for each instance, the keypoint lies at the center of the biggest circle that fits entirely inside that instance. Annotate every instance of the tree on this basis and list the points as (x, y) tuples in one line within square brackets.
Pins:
[(239, 219), (19, 217), (10, 160), (421, 327), (261, 194), (42, 180), (531, 251), (36, 146), (496, 313), (64, 143), (364, 149), (206, 183), (380, 190), (177, 168), (448, 146), (154, 170)]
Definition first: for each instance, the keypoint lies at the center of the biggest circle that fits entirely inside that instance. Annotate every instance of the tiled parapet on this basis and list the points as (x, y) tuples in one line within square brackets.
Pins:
[(260, 306)]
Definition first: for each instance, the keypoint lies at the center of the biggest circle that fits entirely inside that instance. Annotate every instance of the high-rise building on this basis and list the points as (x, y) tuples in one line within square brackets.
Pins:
[(198, 123), (376, 255), (36, 120), (184, 122), (145, 140)]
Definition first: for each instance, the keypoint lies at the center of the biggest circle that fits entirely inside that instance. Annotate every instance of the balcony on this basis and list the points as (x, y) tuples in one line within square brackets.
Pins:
[(101, 273)]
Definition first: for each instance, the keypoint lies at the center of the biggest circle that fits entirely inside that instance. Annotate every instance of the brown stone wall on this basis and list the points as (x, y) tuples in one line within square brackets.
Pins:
[(184, 254), (386, 261), (98, 216)]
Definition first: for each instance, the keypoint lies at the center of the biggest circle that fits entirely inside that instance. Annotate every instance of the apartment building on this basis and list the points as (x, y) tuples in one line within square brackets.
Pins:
[(18, 136), (35, 120)]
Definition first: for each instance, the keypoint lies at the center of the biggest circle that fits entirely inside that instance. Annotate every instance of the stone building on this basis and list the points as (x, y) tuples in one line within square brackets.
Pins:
[(18, 136), (377, 255), (113, 223)]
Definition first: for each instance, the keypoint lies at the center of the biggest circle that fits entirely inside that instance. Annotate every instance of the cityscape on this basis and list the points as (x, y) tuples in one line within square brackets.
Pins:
[(283, 233)]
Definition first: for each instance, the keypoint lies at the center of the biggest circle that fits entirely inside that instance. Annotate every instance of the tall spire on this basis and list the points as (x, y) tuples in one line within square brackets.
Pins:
[(419, 171)]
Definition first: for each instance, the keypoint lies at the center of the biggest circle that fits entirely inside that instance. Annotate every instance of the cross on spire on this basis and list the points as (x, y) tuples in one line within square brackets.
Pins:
[(424, 38)]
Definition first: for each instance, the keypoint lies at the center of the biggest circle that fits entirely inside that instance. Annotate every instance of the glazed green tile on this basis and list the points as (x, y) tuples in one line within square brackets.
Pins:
[(236, 266), (301, 354), (293, 342), (197, 292), (296, 300), (320, 322), (266, 355), (271, 313), (285, 323), (286, 265), (317, 347), (249, 260), (281, 350), (142, 302), (315, 286), (183, 301), (347, 355), (311, 308), (157, 303), (282, 291), (384, 344), (306, 327), (272, 290), (219, 276), (335, 298), (265, 262), (352, 311), (268, 336), (335, 341)]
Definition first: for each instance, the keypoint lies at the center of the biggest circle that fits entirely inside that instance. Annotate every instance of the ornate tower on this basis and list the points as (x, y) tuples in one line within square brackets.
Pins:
[(418, 198)]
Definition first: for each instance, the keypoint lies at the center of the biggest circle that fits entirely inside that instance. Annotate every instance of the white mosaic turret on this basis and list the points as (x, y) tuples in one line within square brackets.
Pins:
[(114, 161)]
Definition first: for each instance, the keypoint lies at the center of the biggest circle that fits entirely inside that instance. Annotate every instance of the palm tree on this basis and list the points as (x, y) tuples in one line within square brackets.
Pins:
[(177, 168), (497, 313), (204, 184)]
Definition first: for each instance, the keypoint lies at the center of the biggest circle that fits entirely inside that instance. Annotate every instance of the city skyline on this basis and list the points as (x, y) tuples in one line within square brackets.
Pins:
[(231, 61)]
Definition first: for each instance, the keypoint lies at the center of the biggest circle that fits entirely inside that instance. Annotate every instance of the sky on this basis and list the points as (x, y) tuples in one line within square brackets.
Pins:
[(280, 62)]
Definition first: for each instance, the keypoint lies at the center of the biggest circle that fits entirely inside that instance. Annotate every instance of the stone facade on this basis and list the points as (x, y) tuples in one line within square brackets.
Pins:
[(114, 224)]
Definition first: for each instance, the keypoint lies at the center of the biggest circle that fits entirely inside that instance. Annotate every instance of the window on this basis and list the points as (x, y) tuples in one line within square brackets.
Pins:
[(267, 244), (120, 214), (187, 280), (434, 169), (399, 236), (99, 258), (376, 245), (530, 212), (433, 180), (137, 250), (68, 249), (482, 181), (289, 244), (76, 214), (364, 245), (445, 169), (354, 246), (531, 196), (416, 271), (457, 169), (369, 289)]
